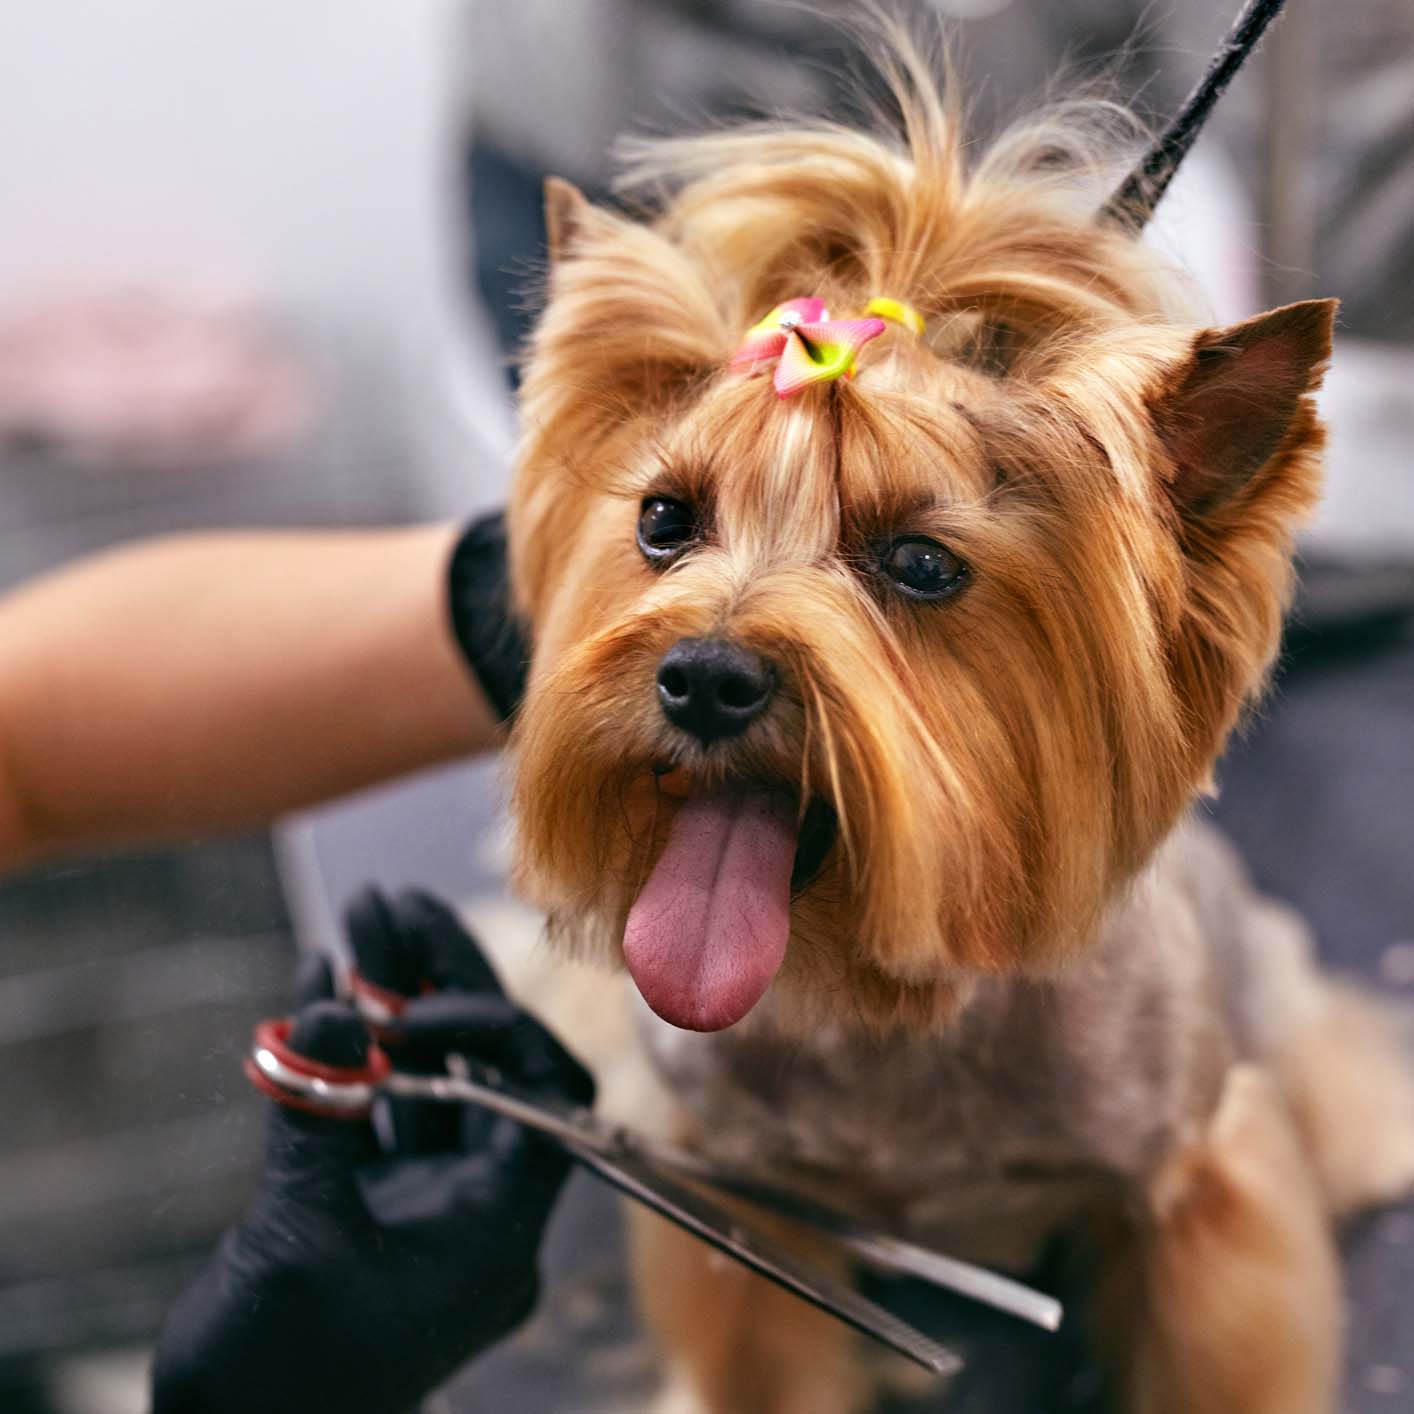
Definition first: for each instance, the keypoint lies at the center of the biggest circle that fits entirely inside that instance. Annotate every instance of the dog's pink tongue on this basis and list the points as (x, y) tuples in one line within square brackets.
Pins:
[(709, 930)]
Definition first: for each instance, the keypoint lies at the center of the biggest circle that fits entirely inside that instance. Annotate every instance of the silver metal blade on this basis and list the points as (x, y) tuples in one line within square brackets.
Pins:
[(634, 1166), (644, 1182), (571, 1126), (880, 1250), (990, 1288), (584, 1132)]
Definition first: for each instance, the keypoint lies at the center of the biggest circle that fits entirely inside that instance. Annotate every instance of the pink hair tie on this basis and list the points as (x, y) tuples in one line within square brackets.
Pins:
[(804, 344)]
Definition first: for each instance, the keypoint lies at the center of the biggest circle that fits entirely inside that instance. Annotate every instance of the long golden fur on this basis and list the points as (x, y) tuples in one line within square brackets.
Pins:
[(1123, 484)]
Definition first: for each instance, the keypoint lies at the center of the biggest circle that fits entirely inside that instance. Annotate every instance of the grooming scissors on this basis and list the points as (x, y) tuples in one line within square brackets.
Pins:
[(671, 1181)]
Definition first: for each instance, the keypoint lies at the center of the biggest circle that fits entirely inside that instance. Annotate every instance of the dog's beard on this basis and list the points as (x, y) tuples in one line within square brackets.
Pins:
[(841, 822), (976, 762), (991, 788)]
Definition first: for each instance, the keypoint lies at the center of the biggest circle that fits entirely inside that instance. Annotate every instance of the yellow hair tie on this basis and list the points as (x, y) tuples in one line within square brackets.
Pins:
[(898, 312)]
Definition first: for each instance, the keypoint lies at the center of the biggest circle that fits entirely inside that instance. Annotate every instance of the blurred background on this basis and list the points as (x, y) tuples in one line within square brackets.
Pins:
[(264, 264)]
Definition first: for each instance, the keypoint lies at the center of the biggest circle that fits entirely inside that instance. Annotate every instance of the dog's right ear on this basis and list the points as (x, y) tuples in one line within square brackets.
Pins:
[(1240, 397), (566, 214), (1238, 425)]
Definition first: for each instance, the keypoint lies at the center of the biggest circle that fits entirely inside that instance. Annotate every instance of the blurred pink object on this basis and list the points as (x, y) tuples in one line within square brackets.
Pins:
[(140, 380)]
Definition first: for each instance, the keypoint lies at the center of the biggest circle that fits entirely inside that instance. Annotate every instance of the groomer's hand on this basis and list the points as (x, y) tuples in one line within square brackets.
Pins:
[(359, 1279)]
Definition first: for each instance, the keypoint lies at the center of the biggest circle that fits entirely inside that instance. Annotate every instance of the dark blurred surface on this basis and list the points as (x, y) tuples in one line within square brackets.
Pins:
[(128, 987), (509, 219), (1319, 129)]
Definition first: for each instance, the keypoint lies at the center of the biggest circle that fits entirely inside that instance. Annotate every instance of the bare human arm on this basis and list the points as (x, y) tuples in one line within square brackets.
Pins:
[(211, 682)]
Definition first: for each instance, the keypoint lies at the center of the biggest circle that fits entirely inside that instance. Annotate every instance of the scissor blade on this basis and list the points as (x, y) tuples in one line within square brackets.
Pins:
[(571, 1126), (879, 1250), (698, 1215), (953, 1274), (584, 1132)]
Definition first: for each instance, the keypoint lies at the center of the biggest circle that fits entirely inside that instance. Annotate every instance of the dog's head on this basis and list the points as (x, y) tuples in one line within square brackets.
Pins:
[(896, 680)]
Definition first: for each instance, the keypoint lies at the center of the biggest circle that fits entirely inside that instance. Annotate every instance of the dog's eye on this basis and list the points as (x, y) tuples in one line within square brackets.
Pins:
[(664, 527), (923, 569)]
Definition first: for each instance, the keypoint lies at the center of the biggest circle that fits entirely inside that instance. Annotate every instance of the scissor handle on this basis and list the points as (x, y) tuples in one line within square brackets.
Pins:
[(300, 1083), (379, 1006)]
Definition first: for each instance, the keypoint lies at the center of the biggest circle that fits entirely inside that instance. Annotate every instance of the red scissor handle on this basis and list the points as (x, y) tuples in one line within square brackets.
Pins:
[(377, 1005), (309, 1085)]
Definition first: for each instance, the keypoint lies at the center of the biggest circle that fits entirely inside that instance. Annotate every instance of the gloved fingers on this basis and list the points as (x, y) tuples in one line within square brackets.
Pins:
[(529, 1168), (311, 1155), (407, 946), (414, 943), (447, 954), (331, 1033), (495, 1032), (314, 980), (500, 1195), (452, 1021), (391, 951), (489, 1030), (380, 952)]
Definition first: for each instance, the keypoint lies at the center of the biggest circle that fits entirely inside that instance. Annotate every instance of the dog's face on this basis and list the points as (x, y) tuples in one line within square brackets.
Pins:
[(894, 682)]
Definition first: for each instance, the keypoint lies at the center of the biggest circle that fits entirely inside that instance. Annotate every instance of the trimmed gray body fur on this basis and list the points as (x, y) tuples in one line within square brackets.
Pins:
[(1043, 1095)]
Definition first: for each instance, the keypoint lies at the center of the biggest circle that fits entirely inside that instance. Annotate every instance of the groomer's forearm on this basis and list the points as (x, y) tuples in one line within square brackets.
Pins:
[(211, 682)]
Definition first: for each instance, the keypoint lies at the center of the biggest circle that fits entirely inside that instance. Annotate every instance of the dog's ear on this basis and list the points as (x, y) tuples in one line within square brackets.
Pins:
[(1238, 399), (629, 317), (566, 213), (1238, 424)]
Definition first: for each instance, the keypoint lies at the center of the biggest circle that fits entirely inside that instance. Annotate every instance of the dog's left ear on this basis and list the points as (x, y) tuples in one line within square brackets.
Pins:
[(1230, 407), (566, 212), (629, 312)]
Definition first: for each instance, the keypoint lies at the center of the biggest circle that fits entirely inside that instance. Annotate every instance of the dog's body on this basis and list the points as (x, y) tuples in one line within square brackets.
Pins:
[(1193, 1063), (1044, 1097), (864, 724)]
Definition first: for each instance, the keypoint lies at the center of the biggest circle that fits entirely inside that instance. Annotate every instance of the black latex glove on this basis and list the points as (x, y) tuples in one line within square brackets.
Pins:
[(358, 1280)]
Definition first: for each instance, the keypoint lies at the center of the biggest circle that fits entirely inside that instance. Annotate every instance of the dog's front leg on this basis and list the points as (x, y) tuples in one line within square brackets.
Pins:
[(733, 1342), (1229, 1298)]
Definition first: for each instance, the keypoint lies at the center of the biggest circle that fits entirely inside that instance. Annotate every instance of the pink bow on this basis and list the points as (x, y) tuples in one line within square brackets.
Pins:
[(805, 344)]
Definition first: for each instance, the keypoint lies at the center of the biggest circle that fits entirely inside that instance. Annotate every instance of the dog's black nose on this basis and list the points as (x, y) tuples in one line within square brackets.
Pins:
[(713, 688)]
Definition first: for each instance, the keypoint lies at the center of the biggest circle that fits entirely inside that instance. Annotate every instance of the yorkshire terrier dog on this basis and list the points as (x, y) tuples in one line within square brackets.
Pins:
[(899, 549)]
